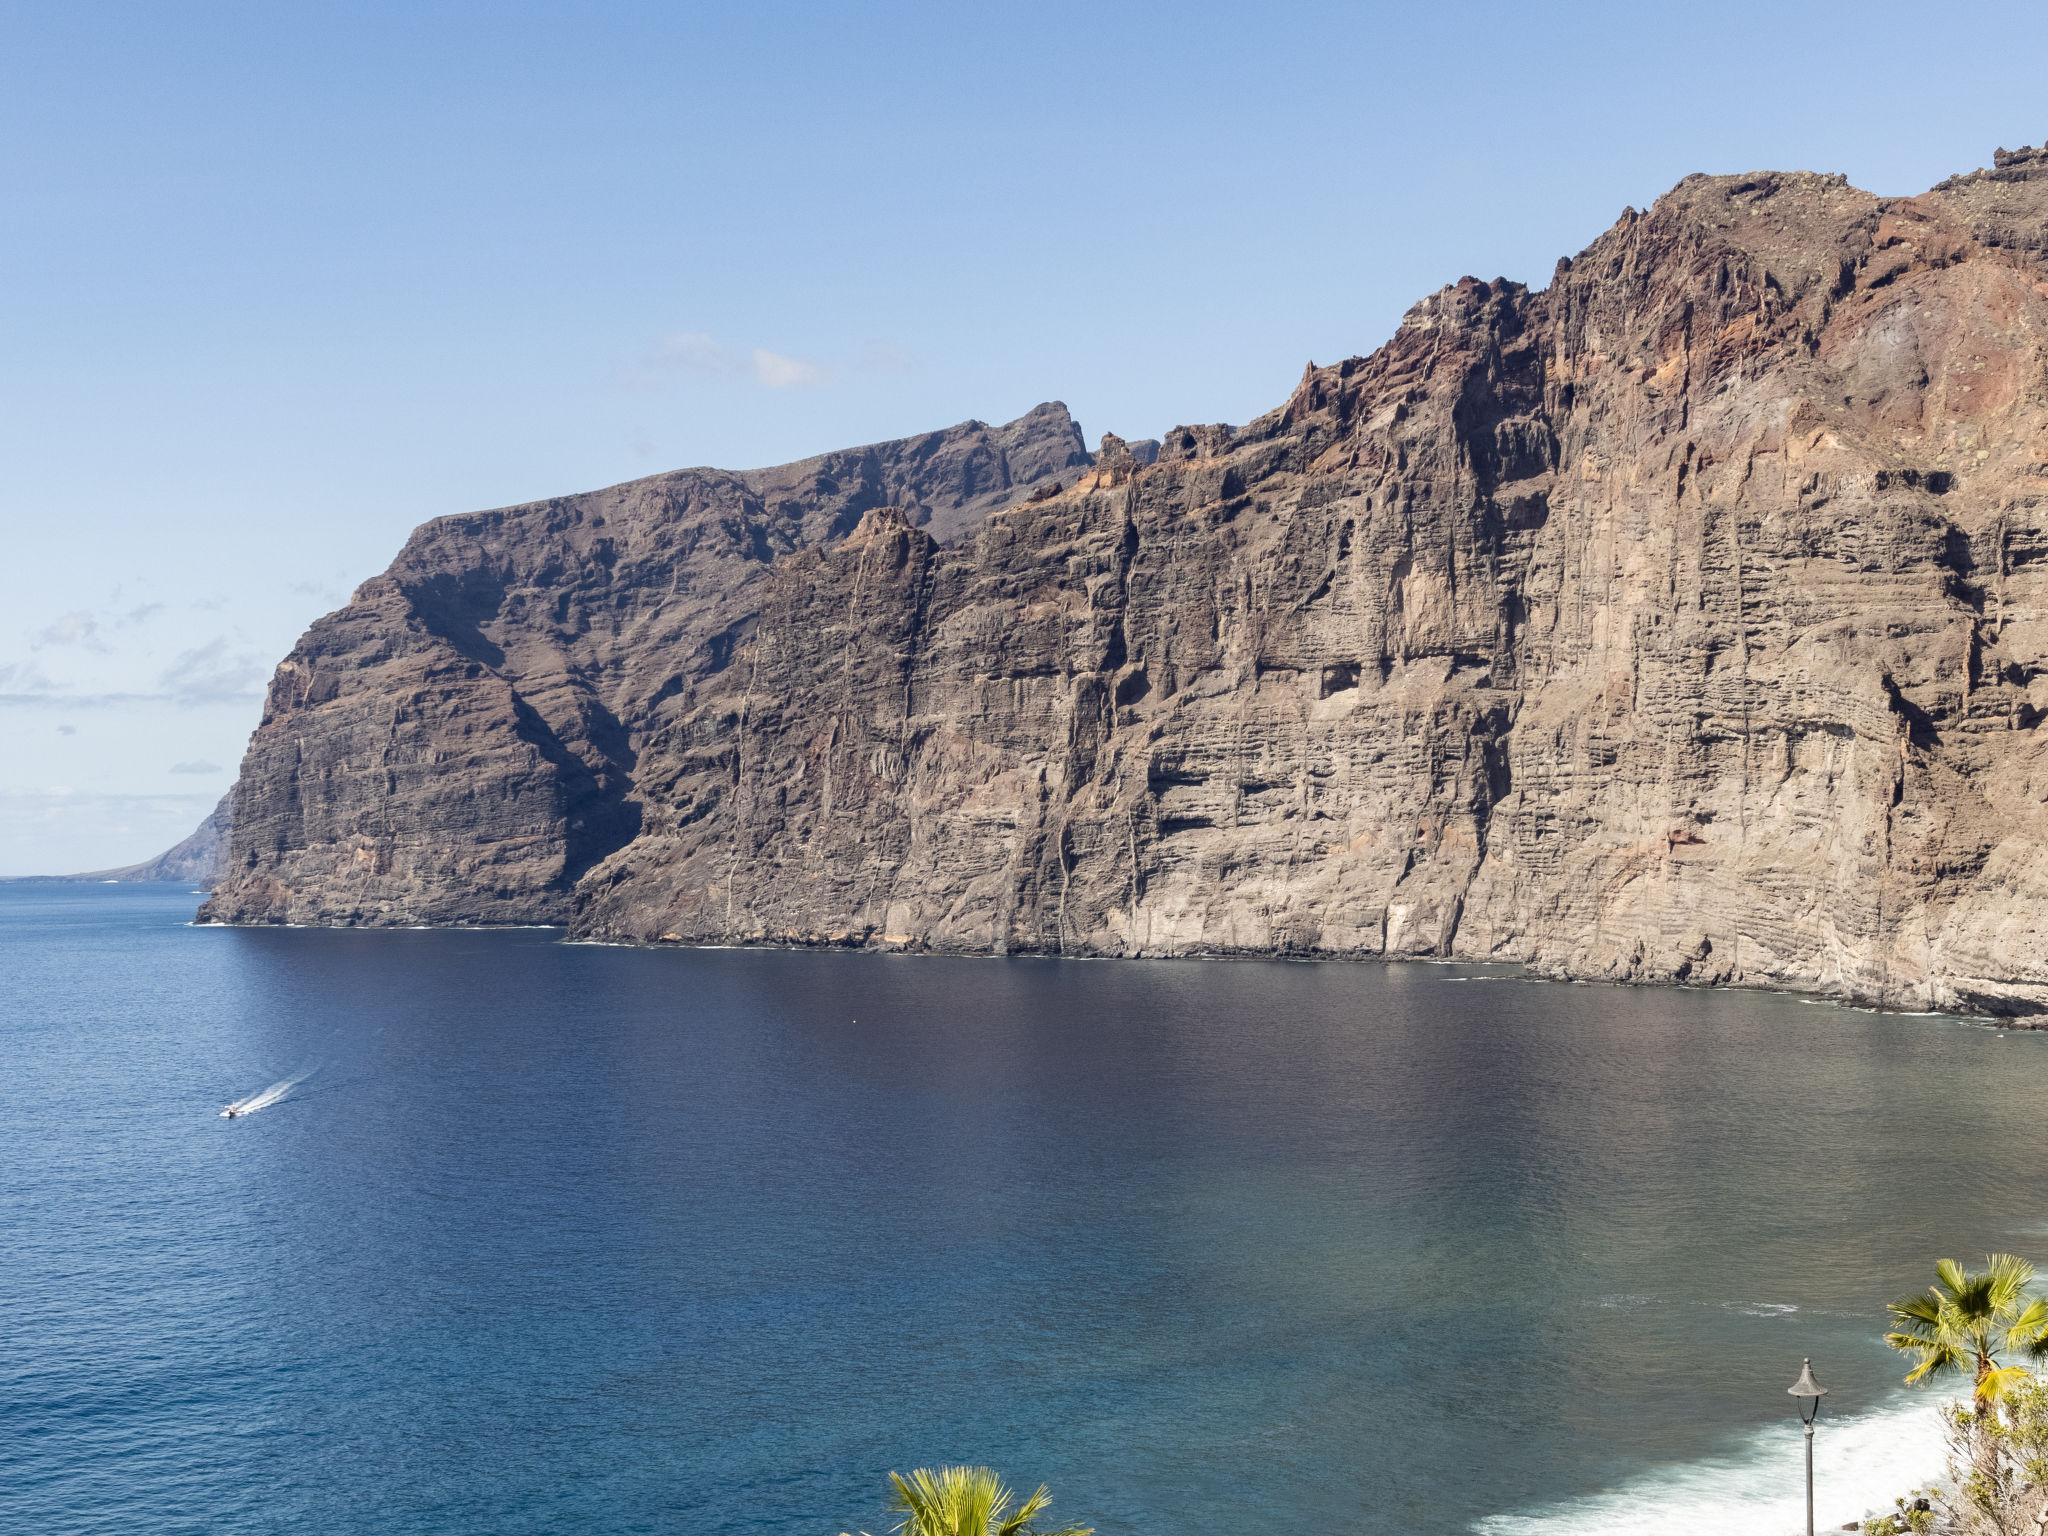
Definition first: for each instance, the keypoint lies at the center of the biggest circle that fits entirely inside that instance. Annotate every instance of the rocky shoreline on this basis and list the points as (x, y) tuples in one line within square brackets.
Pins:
[(1501, 970)]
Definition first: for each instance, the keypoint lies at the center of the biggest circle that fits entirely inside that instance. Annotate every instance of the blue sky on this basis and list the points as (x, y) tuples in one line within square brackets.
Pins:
[(278, 282)]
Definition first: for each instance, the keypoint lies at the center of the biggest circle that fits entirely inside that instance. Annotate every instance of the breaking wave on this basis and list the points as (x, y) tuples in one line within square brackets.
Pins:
[(1859, 1466)]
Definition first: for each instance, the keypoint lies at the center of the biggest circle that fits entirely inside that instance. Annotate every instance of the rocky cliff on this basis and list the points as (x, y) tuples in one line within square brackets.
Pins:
[(1685, 620)]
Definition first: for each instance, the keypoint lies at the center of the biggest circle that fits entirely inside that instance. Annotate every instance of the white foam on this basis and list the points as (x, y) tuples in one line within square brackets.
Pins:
[(264, 1098), (1859, 1466)]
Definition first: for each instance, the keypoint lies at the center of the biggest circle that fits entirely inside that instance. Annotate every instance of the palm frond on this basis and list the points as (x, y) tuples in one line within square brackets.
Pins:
[(950, 1501), (1933, 1359), (1994, 1384), (1923, 1309), (2010, 1276), (1964, 1321), (1976, 1302), (2029, 1327), (1029, 1510)]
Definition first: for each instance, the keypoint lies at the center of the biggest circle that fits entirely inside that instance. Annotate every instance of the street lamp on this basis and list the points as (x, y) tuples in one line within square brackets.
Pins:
[(1809, 1392)]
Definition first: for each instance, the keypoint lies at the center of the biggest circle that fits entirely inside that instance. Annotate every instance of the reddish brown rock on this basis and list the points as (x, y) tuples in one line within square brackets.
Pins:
[(1685, 621)]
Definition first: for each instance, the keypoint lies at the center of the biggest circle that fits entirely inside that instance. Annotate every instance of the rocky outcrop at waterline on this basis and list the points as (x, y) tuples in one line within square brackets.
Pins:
[(1686, 620)]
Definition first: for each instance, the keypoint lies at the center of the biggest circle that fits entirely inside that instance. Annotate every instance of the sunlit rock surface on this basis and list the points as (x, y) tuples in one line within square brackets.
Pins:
[(1686, 620)]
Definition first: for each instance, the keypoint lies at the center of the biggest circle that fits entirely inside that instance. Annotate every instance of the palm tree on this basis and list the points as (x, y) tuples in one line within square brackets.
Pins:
[(968, 1501), (1962, 1323)]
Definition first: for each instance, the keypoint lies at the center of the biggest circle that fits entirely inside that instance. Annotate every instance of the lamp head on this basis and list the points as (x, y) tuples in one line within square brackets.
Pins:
[(1809, 1391)]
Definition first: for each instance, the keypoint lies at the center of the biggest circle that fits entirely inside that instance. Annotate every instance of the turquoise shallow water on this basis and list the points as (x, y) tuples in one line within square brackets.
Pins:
[(562, 1238)]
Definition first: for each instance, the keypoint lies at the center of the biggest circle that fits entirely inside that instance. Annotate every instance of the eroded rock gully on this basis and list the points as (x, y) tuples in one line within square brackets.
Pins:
[(1686, 620)]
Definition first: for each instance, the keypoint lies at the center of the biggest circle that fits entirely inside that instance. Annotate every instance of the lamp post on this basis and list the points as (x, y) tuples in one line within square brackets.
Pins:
[(1809, 1392)]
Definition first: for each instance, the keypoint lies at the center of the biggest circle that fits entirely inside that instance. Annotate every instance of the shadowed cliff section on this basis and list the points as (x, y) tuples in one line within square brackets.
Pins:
[(1684, 621), (462, 742)]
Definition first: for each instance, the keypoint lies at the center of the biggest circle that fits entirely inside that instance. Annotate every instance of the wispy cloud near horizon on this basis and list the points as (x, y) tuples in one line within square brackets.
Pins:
[(109, 830), (218, 672)]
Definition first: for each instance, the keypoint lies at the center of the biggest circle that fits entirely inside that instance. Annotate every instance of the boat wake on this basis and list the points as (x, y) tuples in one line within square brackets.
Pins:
[(1859, 1466), (262, 1099)]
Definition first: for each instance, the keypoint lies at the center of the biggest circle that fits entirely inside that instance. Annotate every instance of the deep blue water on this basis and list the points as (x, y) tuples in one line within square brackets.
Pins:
[(573, 1239)]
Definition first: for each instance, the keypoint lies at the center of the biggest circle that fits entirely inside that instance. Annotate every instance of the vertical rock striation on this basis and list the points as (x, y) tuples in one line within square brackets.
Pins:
[(1684, 621)]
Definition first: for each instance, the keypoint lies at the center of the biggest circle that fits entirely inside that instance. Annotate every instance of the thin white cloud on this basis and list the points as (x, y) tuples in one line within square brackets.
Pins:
[(24, 681), (61, 800), (213, 674), (196, 765), (58, 698), (77, 630), (780, 372), (702, 353)]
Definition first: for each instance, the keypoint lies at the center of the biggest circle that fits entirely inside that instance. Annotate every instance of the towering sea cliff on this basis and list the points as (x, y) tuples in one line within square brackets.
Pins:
[(1686, 620)]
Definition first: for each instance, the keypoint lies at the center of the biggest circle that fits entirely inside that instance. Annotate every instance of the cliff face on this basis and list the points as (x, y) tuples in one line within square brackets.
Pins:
[(1687, 620), (462, 742)]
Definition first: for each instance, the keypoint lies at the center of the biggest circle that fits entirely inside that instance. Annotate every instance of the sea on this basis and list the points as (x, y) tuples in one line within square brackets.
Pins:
[(527, 1236)]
